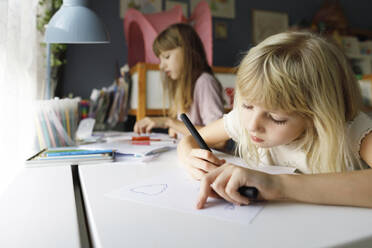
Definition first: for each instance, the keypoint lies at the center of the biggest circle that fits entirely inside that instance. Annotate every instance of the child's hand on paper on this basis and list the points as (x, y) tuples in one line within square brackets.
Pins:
[(200, 162), (172, 133), (227, 179), (147, 124)]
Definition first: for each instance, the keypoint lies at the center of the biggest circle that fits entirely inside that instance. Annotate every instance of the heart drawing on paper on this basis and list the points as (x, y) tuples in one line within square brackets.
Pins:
[(150, 190), (229, 206)]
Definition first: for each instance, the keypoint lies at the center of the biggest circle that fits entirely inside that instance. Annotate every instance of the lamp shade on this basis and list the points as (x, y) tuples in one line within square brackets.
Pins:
[(74, 22)]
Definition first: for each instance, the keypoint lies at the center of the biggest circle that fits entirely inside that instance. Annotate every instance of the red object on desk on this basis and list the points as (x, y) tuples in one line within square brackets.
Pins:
[(144, 138), (147, 140), (141, 142)]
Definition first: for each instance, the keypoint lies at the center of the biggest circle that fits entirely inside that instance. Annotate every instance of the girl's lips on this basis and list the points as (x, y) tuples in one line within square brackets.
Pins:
[(255, 139)]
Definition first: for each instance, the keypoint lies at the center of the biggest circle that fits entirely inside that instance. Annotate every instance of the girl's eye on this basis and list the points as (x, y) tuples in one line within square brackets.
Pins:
[(246, 106), (164, 55), (278, 122)]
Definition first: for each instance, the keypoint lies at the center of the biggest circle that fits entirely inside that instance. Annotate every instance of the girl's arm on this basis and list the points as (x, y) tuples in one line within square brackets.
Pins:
[(148, 123), (348, 188), (198, 161), (178, 126), (175, 126)]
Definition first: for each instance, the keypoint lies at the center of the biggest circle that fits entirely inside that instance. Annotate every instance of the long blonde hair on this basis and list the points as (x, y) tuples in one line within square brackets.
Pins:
[(180, 92), (303, 73)]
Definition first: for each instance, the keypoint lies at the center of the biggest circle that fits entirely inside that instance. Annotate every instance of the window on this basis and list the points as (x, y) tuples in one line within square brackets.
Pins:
[(19, 83)]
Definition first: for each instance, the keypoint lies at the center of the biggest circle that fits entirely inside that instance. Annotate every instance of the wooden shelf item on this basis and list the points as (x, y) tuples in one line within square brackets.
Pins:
[(147, 93)]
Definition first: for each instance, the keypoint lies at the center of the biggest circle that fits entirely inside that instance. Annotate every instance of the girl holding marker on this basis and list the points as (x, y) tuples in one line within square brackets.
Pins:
[(188, 80), (297, 104)]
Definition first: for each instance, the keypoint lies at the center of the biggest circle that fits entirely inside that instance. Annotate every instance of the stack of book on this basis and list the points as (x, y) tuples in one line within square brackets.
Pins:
[(109, 106), (69, 156)]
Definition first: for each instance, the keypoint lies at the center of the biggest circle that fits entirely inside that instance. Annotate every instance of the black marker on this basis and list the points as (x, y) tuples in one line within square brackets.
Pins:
[(249, 192)]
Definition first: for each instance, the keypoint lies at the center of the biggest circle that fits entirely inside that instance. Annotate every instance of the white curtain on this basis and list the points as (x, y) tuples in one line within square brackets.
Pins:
[(21, 80)]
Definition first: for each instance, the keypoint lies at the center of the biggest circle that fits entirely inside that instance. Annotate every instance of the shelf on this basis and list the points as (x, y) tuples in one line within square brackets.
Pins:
[(360, 32), (358, 56), (147, 95), (366, 108)]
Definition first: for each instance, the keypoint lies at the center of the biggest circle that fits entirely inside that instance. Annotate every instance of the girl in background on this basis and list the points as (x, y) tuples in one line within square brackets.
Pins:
[(188, 81), (297, 104)]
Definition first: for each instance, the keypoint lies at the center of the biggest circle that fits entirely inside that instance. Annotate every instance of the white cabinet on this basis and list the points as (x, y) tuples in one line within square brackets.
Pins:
[(361, 61), (146, 97)]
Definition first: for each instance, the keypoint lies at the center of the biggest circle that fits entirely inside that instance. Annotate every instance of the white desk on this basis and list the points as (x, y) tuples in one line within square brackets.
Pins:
[(38, 210), (116, 223)]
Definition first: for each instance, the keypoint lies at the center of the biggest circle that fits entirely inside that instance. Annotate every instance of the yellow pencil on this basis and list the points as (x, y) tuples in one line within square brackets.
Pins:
[(68, 122)]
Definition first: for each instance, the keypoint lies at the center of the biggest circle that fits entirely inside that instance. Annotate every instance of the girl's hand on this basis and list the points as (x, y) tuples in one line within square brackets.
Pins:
[(226, 180), (172, 133), (200, 162), (147, 124)]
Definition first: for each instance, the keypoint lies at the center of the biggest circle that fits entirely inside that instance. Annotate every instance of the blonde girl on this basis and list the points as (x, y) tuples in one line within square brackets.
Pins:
[(188, 81), (297, 105)]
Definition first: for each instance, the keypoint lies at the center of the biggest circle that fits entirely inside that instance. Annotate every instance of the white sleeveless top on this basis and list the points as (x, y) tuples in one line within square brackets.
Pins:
[(289, 155)]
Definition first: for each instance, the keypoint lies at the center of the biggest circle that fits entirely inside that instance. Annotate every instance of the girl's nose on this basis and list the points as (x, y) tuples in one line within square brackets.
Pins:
[(161, 65), (255, 124)]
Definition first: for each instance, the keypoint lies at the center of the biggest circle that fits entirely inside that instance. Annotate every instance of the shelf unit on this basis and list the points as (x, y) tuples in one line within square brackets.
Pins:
[(364, 62)]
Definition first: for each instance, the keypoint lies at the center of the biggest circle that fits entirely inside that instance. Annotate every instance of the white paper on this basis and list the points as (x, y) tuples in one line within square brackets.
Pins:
[(85, 128), (123, 145), (271, 169), (174, 190), (127, 136)]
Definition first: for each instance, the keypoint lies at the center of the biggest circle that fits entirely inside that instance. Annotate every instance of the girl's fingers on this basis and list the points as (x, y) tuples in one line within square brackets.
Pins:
[(223, 181), (172, 133), (213, 194), (231, 189), (144, 126), (143, 129), (205, 190), (149, 127), (220, 184), (207, 155), (136, 129), (196, 173), (201, 164)]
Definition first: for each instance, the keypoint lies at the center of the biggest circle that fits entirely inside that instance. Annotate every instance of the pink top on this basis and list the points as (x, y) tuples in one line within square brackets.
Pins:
[(207, 104)]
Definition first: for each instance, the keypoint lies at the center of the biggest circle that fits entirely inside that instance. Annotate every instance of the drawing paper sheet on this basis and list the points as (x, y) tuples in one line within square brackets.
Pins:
[(120, 136), (128, 148), (271, 169), (123, 144), (174, 190)]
